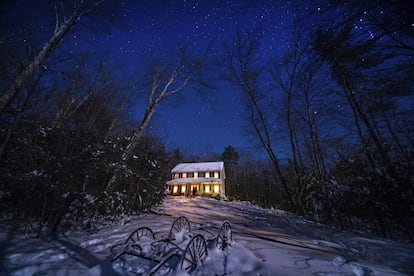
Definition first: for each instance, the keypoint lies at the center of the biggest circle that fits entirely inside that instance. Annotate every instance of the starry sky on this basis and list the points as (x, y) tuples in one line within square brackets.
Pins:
[(131, 32), (212, 120)]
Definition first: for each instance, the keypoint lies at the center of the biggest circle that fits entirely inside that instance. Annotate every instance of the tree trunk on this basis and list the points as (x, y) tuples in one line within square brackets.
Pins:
[(393, 133), (291, 132), (266, 143), (132, 145), (161, 88), (59, 34)]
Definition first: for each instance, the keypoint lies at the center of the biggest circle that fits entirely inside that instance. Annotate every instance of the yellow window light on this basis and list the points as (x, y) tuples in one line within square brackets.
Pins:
[(216, 189)]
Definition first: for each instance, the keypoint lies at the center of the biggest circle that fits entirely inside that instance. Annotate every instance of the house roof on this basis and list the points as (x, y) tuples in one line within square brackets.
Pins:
[(198, 167)]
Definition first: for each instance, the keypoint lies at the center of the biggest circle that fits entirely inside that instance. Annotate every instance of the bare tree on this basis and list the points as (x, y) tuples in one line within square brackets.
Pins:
[(349, 71), (243, 72), (364, 65), (23, 103), (64, 24), (307, 85), (286, 75), (166, 82)]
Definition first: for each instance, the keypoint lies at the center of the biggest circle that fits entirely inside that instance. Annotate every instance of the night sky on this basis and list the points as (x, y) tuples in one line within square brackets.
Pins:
[(204, 120), (212, 120)]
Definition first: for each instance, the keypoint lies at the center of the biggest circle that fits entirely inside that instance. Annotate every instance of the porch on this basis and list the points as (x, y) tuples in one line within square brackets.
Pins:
[(195, 189)]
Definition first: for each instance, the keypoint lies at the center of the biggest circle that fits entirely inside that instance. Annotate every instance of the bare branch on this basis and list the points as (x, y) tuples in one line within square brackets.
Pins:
[(54, 41)]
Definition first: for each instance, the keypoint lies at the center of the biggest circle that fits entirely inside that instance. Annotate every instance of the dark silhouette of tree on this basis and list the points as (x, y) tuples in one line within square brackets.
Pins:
[(244, 72), (64, 23), (287, 77), (373, 85), (166, 81), (59, 154), (230, 157)]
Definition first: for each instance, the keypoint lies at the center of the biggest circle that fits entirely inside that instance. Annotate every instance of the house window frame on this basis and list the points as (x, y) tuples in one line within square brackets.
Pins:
[(216, 188)]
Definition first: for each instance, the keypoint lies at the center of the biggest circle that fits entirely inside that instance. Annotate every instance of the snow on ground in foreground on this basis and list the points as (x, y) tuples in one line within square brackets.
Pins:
[(265, 242)]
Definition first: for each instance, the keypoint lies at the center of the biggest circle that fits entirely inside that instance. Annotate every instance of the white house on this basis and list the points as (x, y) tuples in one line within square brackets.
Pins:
[(205, 178)]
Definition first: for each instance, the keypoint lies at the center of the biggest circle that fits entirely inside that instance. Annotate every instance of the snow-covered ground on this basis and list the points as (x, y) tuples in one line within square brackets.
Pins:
[(266, 242)]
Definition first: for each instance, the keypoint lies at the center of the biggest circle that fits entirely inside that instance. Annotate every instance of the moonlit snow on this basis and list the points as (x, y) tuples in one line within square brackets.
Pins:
[(265, 242)]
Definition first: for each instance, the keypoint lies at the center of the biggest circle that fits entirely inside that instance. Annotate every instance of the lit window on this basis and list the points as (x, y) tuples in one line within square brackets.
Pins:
[(207, 174), (184, 175), (175, 189), (183, 189), (216, 189), (216, 175), (195, 174), (207, 189), (176, 175)]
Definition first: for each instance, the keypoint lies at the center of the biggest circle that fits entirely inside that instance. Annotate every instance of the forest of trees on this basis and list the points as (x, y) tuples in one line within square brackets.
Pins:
[(345, 112), (339, 100)]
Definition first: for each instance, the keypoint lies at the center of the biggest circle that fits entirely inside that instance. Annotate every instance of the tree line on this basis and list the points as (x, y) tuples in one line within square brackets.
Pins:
[(336, 100), (340, 98)]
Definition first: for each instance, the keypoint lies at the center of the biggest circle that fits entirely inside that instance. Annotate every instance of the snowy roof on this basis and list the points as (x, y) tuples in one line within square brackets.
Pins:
[(198, 167)]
